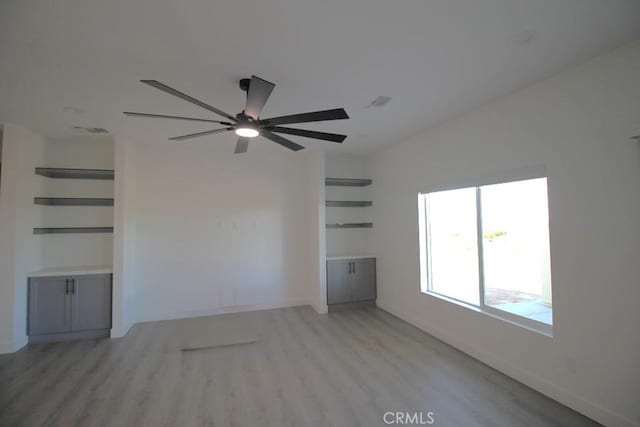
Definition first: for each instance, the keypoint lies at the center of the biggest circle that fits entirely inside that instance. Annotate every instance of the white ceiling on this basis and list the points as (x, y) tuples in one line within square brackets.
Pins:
[(77, 62)]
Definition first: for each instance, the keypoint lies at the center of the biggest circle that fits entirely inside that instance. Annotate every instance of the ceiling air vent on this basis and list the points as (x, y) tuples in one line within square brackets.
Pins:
[(379, 101), (97, 130), (90, 130)]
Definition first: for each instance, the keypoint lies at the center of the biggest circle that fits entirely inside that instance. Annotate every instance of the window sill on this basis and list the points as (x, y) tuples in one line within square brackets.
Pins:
[(522, 322)]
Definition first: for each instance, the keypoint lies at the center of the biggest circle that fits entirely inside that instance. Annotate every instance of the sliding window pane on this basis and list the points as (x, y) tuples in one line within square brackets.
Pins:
[(452, 244), (515, 244)]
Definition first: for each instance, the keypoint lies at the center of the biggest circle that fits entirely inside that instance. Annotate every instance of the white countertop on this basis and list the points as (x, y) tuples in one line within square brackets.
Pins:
[(343, 257), (71, 271)]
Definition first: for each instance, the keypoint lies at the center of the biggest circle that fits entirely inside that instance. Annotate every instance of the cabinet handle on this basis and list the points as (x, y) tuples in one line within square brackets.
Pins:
[(73, 286), (66, 286), (350, 267), (354, 267)]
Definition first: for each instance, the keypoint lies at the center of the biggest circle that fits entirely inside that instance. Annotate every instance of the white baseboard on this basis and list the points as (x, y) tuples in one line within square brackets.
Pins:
[(11, 346), (320, 309), (20, 341), (554, 391), (117, 333), (6, 346), (121, 332), (224, 310)]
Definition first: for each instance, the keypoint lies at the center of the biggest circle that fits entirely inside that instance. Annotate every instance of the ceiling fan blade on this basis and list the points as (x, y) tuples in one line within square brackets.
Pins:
[(174, 92), (316, 116), (334, 137), (259, 91), (242, 145), (162, 116), (196, 135), (280, 140)]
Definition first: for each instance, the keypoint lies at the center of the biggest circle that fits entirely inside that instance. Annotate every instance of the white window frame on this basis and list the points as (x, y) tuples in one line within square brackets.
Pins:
[(425, 259)]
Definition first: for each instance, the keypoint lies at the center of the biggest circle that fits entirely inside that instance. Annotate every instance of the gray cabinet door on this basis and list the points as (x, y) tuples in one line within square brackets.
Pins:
[(49, 305), (363, 283), (338, 282), (91, 302)]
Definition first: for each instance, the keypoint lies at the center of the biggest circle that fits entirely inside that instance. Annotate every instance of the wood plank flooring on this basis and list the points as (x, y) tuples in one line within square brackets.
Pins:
[(342, 369)]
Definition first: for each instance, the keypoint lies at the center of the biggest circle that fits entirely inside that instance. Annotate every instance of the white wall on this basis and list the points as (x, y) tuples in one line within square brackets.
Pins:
[(316, 244), (347, 241), (576, 124), (20, 252), (124, 240), (219, 232)]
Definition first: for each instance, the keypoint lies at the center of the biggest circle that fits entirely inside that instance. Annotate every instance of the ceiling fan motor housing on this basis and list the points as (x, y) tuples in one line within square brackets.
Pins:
[(244, 119), (244, 84)]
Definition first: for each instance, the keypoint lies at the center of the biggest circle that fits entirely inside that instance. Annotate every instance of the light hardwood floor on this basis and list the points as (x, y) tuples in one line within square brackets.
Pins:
[(342, 369)]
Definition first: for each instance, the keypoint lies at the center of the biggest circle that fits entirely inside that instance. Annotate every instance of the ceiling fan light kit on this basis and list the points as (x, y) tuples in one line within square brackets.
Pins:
[(247, 132), (248, 123)]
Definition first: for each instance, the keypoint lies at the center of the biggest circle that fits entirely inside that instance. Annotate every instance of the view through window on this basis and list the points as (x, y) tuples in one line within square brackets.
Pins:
[(489, 246)]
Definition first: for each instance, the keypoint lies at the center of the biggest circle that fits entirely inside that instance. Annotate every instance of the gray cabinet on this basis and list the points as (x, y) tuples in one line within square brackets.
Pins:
[(49, 305), (338, 282), (351, 281), (363, 285), (69, 307), (91, 302)]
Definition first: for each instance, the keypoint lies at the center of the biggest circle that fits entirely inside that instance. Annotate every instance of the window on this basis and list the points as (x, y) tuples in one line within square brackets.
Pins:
[(488, 247)]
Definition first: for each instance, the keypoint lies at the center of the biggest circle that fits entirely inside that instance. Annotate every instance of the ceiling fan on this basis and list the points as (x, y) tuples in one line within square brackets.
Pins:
[(248, 123)]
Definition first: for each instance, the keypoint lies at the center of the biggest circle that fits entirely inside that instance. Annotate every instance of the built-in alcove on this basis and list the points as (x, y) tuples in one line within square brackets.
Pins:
[(347, 206), (74, 202), (350, 267), (50, 222)]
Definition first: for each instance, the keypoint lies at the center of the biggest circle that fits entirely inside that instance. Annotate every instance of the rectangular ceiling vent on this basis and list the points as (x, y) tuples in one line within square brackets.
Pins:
[(90, 130), (379, 101), (97, 130)]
